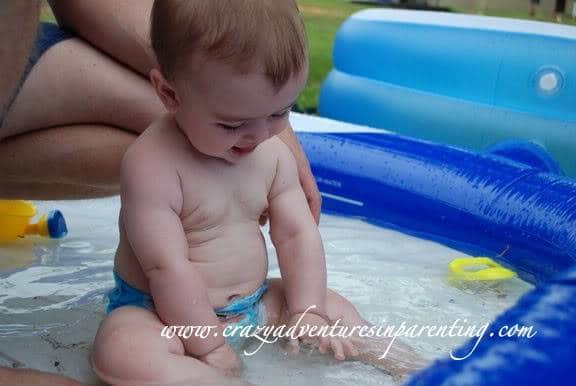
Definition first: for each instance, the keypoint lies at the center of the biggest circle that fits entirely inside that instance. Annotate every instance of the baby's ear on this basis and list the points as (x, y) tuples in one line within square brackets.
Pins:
[(164, 90)]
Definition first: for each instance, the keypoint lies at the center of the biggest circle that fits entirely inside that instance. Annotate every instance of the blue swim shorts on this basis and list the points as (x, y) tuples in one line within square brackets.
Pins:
[(251, 306)]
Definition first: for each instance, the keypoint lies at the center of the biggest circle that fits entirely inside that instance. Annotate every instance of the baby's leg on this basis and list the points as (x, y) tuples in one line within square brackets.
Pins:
[(129, 350), (400, 359)]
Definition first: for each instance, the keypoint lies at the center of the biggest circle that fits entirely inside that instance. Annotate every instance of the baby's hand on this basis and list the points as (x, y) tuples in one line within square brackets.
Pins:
[(224, 359), (341, 347)]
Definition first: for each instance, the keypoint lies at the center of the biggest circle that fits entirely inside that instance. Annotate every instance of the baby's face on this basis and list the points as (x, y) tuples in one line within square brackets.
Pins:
[(227, 115)]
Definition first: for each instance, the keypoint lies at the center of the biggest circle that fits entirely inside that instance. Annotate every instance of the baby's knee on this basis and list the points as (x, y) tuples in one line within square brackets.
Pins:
[(121, 355)]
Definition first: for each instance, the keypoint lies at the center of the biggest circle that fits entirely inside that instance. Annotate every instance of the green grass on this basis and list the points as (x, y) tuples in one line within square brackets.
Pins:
[(322, 19)]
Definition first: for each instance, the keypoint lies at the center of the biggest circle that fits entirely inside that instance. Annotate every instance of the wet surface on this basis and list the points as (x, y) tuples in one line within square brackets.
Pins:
[(51, 296)]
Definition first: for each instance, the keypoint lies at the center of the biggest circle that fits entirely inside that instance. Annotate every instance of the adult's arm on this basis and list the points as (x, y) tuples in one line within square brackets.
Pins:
[(120, 28), (297, 240), (307, 180)]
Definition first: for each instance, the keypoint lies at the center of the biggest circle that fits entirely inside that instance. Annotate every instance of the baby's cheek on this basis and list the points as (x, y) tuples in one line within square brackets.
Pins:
[(219, 143)]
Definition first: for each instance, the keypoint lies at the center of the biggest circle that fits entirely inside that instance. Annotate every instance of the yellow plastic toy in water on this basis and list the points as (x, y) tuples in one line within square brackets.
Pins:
[(15, 217), (468, 269)]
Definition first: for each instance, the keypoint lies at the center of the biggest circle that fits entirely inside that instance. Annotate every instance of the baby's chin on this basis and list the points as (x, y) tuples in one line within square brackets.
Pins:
[(229, 156), (232, 155)]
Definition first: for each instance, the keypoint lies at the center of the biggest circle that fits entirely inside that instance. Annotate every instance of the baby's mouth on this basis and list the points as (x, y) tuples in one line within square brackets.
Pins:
[(244, 150)]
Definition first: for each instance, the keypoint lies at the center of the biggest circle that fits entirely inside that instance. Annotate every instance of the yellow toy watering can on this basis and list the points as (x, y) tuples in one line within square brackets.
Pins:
[(15, 221), (474, 269)]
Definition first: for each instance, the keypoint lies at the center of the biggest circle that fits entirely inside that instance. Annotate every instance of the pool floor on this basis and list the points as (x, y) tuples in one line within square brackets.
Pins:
[(51, 296)]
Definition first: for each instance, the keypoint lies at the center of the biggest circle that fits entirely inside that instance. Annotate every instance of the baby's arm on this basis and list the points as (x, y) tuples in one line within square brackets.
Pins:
[(297, 240), (301, 259), (151, 203)]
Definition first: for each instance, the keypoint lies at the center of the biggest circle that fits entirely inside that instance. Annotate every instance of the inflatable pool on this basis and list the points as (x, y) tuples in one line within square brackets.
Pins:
[(482, 204), (52, 291), (501, 86), (490, 84)]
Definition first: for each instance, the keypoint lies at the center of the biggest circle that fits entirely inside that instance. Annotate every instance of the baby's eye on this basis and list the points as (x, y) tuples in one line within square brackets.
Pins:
[(229, 127)]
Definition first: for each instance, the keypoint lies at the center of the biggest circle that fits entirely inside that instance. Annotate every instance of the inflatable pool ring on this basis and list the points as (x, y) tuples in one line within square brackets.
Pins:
[(15, 221), (481, 205)]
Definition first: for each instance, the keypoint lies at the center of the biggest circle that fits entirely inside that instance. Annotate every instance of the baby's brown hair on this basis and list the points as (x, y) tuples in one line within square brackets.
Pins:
[(261, 35)]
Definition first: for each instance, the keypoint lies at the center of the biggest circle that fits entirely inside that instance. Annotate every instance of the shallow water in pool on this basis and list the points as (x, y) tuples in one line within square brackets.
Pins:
[(51, 296)]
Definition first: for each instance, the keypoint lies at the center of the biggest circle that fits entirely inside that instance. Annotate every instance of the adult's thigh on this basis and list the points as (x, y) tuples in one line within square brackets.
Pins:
[(74, 83)]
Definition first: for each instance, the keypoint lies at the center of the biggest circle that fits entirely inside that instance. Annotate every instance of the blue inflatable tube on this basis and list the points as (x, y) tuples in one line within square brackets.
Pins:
[(546, 359), (482, 204)]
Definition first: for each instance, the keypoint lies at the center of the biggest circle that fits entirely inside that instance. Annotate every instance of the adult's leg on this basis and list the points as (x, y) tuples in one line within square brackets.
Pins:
[(68, 128), (73, 83), (559, 9), (533, 6), (18, 21), (63, 163)]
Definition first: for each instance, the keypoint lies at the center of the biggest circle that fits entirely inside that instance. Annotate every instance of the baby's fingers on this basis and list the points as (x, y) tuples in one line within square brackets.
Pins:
[(350, 349), (323, 344), (336, 346), (293, 346)]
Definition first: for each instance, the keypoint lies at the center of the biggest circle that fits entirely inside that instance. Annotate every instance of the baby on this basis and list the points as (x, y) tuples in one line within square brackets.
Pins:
[(194, 186)]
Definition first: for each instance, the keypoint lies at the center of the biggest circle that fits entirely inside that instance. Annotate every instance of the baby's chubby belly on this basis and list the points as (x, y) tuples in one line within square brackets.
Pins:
[(232, 261), (233, 264)]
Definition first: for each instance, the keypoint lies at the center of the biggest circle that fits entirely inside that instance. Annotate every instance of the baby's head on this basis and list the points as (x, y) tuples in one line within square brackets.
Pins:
[(230, 70)]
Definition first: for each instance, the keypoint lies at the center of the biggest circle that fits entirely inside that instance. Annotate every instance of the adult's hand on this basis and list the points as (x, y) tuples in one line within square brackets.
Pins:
[(305, 174)]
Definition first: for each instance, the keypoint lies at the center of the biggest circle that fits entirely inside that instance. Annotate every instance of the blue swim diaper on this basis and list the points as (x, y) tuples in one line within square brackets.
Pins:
[(251, 306)]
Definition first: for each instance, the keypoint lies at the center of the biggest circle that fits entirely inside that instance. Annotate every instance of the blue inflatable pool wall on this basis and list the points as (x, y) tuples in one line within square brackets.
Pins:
[(469, 81), (483, 205), (505, 87)]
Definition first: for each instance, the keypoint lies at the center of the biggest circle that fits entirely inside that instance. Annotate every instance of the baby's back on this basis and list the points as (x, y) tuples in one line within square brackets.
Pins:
[(221, 204)]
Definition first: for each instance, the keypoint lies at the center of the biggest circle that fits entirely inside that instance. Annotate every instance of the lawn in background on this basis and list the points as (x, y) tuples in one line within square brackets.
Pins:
[(322, 18)]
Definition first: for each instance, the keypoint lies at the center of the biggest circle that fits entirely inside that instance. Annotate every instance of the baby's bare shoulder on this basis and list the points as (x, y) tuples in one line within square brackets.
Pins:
[(277, 151), (149, 166), (276, 145), (160, 142), (282, 155)]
